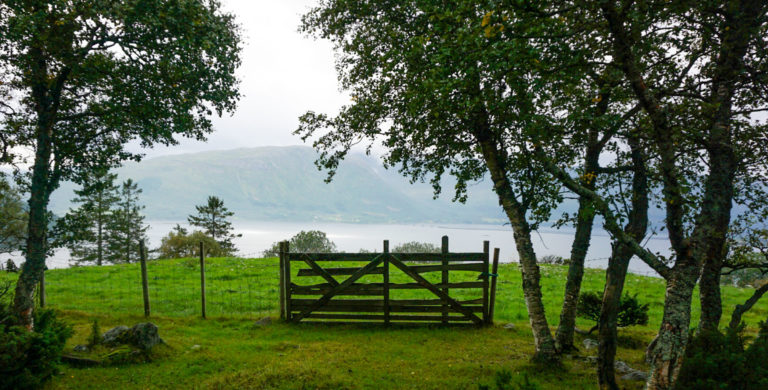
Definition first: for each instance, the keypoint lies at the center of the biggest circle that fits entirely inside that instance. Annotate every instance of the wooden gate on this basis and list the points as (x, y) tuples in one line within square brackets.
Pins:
[(337, 293)]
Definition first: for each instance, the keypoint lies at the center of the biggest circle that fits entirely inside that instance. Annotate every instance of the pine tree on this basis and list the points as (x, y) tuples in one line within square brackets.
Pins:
[(126, 226), (212, 218), (86, 226)]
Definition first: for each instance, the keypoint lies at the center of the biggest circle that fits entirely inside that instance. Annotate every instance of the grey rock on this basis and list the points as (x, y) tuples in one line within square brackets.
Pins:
[(143, 336), (622, 368), (80, 348), (195, 347), (590, 343), (635, 375), (263, 322), (509, 326), (111, 336)]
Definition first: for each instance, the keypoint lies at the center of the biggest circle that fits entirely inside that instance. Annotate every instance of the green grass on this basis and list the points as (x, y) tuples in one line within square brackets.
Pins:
[(234, 353)]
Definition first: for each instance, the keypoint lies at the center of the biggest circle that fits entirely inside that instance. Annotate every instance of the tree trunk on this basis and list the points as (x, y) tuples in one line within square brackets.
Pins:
[(609, 310), (496, 163), (666, 351), (581, 240), (739, 310), (33, 267), (636, 227), (709, 290)]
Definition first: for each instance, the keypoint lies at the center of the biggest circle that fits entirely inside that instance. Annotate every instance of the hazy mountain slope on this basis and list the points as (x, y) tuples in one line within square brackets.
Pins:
[(282, 183)]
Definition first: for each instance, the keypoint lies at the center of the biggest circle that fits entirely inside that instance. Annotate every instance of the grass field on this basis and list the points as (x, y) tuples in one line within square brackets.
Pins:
[(231, 352)]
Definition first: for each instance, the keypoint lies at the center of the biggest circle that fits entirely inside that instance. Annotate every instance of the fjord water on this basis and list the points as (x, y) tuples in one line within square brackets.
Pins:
[(259, 235)]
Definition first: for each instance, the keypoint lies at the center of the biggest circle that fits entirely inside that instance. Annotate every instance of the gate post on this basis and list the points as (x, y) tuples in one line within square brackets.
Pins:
[(281, 290), (445, 277), (386, 282), (495, 276), (487, 251)]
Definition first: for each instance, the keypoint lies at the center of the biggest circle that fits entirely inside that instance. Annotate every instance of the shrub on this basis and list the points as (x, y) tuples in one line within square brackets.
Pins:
[(312, 241), (28, 359), (714, 360), (631, 312), (416, 247), (553, 259), (504, 380), (180, 244)]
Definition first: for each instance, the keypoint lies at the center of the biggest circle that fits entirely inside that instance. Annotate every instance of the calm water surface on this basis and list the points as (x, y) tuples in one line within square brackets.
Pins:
[(258, 236)]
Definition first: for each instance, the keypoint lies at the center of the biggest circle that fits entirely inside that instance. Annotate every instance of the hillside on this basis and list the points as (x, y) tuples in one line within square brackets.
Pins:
[(282, 183)]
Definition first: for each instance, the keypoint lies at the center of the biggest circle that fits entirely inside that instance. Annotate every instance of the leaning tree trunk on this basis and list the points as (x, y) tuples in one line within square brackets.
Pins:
[(609, 310), (616, 273), (567, 325), (496, 163), (34, 266)]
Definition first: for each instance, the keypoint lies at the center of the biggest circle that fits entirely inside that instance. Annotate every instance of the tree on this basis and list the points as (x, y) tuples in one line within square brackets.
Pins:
[(178, 244), (696, 69), (212, 217), (452, 90), (87, 77), (13, 229), (126, 225), (312, 241), (415, 247), (85, 228)]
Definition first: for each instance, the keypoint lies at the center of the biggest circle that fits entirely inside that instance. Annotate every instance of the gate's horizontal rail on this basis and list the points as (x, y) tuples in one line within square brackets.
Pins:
[(364, 257), (380, 270), (363, 302), (379, 308), (322, 288), (380, 317)]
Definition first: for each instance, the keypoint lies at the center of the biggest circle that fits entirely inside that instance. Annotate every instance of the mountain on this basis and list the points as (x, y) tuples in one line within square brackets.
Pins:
[(282, 183)]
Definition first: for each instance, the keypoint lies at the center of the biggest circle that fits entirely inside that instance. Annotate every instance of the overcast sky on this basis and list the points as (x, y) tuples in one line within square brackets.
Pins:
[(283, 75)]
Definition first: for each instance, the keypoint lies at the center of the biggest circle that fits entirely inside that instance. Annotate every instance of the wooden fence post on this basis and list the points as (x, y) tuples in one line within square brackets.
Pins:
[(281, 290), (495, 276), (287, 253), (386, 282), (486, 258), (42, 289), (144, 283), (202, 277), (445, 277)]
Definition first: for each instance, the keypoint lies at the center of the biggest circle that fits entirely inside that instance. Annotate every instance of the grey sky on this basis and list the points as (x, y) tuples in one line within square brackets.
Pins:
[(283, 75)]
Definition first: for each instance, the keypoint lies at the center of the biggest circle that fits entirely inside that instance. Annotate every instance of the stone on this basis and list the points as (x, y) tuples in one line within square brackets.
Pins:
[(195, 347), (111, 336), (622, 368), (143, 336), (590, 343), (263, 322), (635, 375), (509, 326), (80, 348)]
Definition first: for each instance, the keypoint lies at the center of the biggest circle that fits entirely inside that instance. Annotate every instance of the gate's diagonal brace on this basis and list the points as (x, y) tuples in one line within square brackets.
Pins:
[(339, 288), (320, 271), (431, 287)]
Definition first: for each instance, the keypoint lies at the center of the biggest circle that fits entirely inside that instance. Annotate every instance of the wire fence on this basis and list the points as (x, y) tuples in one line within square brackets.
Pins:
[(235, 287)]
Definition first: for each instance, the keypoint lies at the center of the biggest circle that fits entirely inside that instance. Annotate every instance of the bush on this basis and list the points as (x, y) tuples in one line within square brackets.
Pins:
[(416, 247), (180, 244), (28, 359), (313, 241), (553, 259), (631, 312), (504, 380), (714, 360)]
